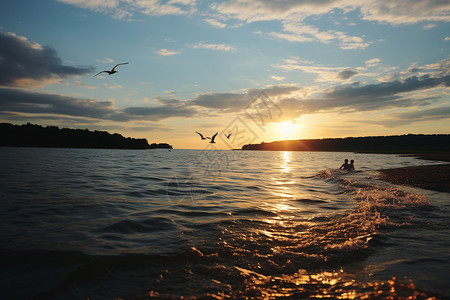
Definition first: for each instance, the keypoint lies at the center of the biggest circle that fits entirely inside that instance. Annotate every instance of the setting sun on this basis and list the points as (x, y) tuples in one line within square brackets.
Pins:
[(286, 130)]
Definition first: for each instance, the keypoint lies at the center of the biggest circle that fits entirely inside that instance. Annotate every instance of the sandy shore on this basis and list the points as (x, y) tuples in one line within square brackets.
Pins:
[(433, 177)]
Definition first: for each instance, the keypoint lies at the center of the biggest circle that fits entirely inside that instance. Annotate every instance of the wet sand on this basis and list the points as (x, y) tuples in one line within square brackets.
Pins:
[(433, 177)]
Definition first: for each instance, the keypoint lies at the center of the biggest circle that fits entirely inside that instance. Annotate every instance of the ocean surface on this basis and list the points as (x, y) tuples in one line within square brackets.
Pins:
[(139, 224)]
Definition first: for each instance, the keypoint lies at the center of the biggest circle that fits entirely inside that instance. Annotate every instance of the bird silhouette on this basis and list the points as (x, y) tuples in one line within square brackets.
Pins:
[(228, 136), (113, 70), (213, 138), (201, 135)]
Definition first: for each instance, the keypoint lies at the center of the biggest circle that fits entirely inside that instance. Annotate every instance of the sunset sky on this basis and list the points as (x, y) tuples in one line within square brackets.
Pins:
[(261, 70)]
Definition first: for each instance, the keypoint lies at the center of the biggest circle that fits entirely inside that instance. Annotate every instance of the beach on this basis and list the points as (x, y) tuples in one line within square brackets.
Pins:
[(432, 177)]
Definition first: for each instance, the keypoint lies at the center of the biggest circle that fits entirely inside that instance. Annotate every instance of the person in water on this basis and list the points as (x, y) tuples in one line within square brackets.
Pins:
[(345, 166), (348, 166), (351, 166)]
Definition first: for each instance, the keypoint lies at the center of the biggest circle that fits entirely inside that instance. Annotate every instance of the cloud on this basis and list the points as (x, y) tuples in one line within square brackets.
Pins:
[(80, 84), (25, 63), (237, 101), (266, 10), (112, 7), (374, 96), (19, 101), (96, 4), (372, 62), (294, 101), (113, 86), (14, 102), (152, 127), (394, 12), (411, 116), (168, 107), (346, 74), (220, 47), (122, 9), (394, 94), (158, 113), (447, 38), (382, 11), (429, 26), (279, 78), (379, 97), (293, 15), (426, 114), (215, 23), (406, 11), (351, 42), (324, 73), (295, 31), (226, 102), (165, 52), (106, 60)]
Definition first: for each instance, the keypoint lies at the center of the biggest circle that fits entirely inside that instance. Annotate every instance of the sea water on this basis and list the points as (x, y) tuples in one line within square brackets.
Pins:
[(211, 224)]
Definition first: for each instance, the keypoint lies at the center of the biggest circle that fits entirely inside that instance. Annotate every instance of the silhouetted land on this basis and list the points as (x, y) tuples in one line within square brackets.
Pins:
[(160, 146), (31, 135), (411, 143)]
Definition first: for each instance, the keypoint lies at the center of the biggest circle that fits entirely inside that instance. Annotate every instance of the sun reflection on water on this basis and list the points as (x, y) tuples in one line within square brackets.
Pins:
[(337, 284), (286, 161), (284, 182)]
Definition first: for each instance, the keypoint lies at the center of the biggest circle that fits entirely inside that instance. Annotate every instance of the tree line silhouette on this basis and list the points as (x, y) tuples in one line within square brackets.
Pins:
[(411, 143), (31, 135)]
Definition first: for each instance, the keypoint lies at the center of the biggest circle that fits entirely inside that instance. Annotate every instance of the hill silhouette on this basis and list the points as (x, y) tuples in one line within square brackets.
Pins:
[(31, 135), (411, 143)]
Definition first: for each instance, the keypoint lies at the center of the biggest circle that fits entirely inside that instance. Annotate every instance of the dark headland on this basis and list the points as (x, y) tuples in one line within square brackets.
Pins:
[(400, 144), (430, 147), (31, 135)]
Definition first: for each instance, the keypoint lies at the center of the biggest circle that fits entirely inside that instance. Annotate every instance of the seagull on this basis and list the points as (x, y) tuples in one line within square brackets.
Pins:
[(212, 139), (201, 135), (112, 71), (228, 136)]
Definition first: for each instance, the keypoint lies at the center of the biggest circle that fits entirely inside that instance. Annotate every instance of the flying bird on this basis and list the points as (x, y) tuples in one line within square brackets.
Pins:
[(112, 71), (212, 139), (201, 135), (228, 136)]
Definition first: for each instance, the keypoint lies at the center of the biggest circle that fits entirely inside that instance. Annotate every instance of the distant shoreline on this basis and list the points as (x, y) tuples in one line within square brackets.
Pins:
[(395, 144), (30, 135)]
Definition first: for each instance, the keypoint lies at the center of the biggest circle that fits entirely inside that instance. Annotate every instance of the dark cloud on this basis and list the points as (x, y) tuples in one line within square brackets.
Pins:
[(410, 117), (371, 97), (160, 112), (434, 113), (168, 107), (235, 102), (345, 98), (21, 60), (14, 101), (227, 102), (152, 127), (387, 89), (346, 74)]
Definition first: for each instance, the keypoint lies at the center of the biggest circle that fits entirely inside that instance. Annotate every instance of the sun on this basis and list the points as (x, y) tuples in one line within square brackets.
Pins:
[(286, 129)]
